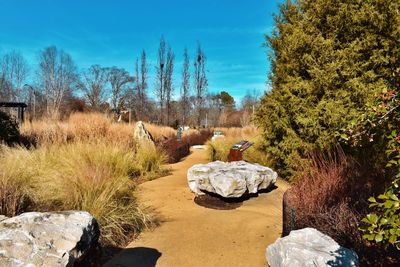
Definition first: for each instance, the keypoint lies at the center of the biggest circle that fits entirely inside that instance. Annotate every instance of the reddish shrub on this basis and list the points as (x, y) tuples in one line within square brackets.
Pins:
[(330, 194), (198, 137), (176, 150)]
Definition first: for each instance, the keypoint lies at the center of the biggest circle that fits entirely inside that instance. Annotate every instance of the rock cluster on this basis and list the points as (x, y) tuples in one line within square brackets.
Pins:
[(140, 133), (309, 247), (47, 239), (230, 179)]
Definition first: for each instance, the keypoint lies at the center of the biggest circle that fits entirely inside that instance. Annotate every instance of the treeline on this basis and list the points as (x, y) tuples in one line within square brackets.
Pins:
[(60, 88)]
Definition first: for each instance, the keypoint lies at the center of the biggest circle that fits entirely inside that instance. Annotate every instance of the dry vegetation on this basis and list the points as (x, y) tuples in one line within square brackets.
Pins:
[(88, 162), (88, 127), (219, 148), (329, 194), (85, 163), (160, 133)]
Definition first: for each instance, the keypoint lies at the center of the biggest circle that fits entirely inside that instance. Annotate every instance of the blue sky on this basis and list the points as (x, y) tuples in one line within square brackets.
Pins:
[(113, 33)]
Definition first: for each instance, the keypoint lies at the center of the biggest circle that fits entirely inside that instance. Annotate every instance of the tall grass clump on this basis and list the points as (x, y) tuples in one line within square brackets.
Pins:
[(15, 180), (97, 178), (79, 127), (219, 148), (160, 133), (329, 194), (150, 160), (247, 132)]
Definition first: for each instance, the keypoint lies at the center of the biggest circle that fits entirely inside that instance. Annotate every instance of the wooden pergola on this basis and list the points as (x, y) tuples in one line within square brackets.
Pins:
[(19, 106)]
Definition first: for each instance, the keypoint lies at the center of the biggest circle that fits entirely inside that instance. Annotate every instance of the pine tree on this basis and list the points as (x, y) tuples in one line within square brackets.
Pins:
[(329, 58)]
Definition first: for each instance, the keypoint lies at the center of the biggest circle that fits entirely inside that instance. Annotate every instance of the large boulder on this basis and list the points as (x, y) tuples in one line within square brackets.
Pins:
[(230, 179), (309, 247), (47, 239), (141, 134)]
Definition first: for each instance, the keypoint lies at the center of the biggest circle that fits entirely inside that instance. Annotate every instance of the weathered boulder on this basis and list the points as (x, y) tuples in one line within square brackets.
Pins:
[(309, 247), (140, 133), (230, 179), (47, 239)]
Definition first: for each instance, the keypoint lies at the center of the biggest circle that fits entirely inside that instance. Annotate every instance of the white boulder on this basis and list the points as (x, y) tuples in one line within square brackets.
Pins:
[(47, 239), (230, 179), (141, 134), (309, 247)]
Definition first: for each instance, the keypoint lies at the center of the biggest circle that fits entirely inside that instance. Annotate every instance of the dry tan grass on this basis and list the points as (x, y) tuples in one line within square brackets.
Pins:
[(80, 127), (87, 162), (88, 127), (98, 178), (219, 148), (160, 133), (246, 133)]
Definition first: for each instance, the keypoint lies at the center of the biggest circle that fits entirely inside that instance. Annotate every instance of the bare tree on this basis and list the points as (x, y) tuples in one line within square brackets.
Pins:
[(13, 69), (138, 94), (200, 82), (168, 82), (143, 82), (185, 87), (5, 89), (250, 100), (160, 68), (57, 74), (93, 85), (119, 80)]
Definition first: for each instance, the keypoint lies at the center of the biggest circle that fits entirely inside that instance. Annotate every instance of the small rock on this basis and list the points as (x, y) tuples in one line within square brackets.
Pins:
[(230, 179), (309, 247), (47, 239)]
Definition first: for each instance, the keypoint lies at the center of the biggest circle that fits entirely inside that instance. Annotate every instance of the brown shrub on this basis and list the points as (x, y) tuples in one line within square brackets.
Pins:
[(329, 194), (176, 150), (197, 137)]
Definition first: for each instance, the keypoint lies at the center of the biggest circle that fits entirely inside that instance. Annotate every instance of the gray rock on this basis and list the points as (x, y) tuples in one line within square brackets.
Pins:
[(309, 247), (230, 179), (47, 239), (141, 134)]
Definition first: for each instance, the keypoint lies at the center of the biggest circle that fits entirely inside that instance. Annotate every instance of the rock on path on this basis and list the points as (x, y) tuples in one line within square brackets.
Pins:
[(191, 235), (309, 248), (230, 179)]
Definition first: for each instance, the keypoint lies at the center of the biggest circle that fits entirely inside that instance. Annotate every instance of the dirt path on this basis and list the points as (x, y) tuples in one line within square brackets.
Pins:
[(192, 235)]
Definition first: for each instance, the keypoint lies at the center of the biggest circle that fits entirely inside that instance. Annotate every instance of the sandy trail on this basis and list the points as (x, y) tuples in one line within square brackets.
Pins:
[(191, 235)]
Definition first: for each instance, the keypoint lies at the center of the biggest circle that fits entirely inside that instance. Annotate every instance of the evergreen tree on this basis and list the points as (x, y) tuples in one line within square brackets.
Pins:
[(329, 58)]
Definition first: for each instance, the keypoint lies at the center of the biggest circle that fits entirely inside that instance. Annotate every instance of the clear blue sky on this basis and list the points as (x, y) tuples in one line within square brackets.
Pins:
[(113, 32)]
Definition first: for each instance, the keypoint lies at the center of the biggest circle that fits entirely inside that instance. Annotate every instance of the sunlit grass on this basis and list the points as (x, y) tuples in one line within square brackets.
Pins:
[(98, 178), (219, 148)]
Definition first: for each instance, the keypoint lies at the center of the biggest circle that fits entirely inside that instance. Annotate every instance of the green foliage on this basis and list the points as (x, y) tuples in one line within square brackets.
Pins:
[(379, 125), (329, 57), (383, 225), (9, 130)]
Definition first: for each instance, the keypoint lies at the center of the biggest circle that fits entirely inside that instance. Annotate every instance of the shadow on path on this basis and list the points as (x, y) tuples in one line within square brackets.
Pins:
[(137, 257), (215, 201)]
